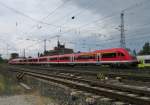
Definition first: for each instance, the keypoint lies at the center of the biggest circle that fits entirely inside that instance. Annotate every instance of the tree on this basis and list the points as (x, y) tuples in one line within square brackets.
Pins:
[(0, 56), (1, 59), (14, 55), (146, 49), (134, 52)]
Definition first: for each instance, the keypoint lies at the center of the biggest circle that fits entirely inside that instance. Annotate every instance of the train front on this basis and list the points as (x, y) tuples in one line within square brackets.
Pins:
[(132, 58)]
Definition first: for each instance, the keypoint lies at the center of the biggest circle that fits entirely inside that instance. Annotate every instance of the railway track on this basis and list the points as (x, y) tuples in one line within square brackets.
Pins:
[(127, 94), (132, 75), (94, 68)]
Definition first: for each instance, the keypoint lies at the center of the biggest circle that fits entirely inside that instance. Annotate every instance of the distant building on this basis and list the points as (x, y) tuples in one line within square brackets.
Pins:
[(14, 55), (59, 50)]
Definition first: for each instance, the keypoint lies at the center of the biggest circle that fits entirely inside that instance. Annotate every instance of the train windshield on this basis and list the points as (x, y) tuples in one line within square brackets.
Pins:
[(132, 53)]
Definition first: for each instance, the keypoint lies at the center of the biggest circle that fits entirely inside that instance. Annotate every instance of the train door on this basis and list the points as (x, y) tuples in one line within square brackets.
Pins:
[(47, 60), (98, 58), (72, 59), (120, 56)]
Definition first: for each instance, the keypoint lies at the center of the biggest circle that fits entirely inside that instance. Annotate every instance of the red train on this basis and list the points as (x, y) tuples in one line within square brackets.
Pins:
[(112, 57)]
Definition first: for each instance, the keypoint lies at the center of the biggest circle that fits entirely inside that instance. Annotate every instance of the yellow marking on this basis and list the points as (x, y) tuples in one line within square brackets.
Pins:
[(100, 76)]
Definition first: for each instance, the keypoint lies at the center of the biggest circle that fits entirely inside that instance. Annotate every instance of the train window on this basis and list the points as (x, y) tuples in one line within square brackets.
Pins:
[(85, 57), (52, 59), (109, 55), (42, 59), (121, 54), (64, 58), (147, 61), (131, 53), (35, 60), (30, 60)]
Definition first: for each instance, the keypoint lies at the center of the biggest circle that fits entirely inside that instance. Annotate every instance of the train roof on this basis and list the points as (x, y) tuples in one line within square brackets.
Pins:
[(56, 56), (84, 53), (16, 59), (65, 55), (31, 58), (111, 50)]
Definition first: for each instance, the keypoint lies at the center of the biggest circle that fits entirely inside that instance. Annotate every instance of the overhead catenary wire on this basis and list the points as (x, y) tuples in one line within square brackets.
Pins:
[(25, 15), (129, 37), (81, 11), (48, 15), (35, 20), (72, 12), (116, 41), (115, 13), (131, 7), (56, 9), (109, 16), (53, 11), (102, 20)]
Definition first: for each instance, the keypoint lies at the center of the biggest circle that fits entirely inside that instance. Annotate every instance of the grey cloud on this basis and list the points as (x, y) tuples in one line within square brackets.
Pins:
[(90, 10), (103, 6)]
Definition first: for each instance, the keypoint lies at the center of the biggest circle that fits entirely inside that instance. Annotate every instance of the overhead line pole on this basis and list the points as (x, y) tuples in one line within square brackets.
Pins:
[(122, 40), (24, 53), (7, 50), (44, 45)]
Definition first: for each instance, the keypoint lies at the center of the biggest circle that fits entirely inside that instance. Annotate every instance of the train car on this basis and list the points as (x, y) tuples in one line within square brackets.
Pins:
[(24, 61), (53, 59), (66, 59), (116, 57), (31, 61), (86, 58), (112, 57), (16, 61), (42, 60), (144, 61)]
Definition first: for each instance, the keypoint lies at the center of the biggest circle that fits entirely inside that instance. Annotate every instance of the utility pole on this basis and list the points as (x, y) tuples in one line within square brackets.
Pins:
[(122, 40), (24, 53), (44, 45), (58, 37), (7, 50)]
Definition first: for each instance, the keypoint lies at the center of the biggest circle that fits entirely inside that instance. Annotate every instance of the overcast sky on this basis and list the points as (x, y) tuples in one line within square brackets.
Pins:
[(95, 24)]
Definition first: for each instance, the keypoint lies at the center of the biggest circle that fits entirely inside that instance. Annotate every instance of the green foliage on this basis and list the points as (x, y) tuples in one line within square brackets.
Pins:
[(146, 49), (14, 55), (134, 52), (1, 59)]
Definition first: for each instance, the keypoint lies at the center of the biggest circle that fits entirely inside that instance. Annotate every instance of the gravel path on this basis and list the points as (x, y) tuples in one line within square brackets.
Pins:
[(24, 100)]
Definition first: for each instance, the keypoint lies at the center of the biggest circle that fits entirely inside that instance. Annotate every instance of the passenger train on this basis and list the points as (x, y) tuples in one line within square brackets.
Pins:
[(111, 57)]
